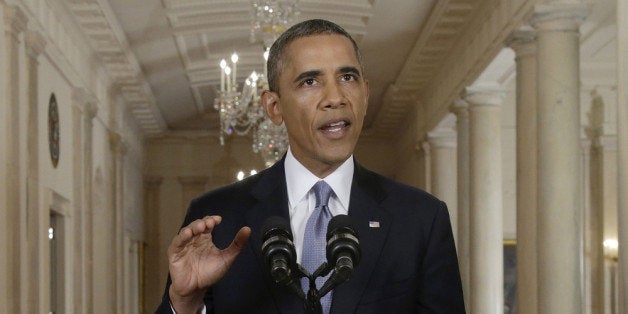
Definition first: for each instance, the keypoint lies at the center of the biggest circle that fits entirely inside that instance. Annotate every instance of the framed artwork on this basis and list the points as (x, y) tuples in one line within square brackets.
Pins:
[(53, 130), (510, 277)]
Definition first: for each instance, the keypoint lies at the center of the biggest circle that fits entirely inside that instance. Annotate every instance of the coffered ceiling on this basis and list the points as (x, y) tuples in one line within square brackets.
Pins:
[(164, 55)]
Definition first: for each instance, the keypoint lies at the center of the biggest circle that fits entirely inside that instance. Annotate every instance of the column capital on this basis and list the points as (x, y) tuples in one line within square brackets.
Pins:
[(14, 19), (35, 43), (559, 15), (86, 101), (442, 139), (480, 96), (460, 107), (117, 143), (523, 41), (444, 134), (422, 146)]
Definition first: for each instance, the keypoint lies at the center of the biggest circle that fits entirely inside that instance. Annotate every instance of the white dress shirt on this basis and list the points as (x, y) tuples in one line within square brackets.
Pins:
[(301, 198)]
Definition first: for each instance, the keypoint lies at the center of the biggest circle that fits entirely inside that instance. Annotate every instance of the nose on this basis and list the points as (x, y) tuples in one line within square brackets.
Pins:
[(334, 96)]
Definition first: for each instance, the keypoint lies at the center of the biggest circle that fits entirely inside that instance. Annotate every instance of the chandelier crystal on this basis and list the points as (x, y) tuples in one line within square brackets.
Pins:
[(240, 110), (270, 18)]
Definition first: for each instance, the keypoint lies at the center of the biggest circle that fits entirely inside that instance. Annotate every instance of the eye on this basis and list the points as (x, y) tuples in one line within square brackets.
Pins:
[(347, 77), (308, 82)]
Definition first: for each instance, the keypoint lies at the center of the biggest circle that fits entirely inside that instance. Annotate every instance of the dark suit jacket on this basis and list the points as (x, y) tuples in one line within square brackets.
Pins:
[(408, 263)]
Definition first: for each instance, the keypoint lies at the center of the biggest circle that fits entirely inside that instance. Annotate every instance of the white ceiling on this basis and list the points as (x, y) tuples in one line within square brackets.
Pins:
[(164, 55), (179, 43)]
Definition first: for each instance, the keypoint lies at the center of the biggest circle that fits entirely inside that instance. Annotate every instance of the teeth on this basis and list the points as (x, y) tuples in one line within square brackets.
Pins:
[(339, 123)]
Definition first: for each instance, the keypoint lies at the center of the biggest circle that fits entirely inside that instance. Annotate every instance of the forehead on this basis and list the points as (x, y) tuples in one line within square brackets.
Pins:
[(321, 50)]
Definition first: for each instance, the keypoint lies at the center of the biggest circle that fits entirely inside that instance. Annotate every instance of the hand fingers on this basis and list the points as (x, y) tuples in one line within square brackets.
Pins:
[(237, 244), (199, 226)]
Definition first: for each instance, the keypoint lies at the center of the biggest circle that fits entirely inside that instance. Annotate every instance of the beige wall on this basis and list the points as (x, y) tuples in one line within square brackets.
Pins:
[(91, 250), (100, 193), (180, 163)]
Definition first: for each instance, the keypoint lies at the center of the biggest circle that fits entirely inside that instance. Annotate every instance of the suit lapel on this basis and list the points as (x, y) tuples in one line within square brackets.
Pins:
[(271, 193), (366, 213), (364, 208)]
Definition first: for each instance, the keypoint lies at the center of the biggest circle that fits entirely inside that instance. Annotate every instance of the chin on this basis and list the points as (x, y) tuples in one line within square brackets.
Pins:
[(336, 156)]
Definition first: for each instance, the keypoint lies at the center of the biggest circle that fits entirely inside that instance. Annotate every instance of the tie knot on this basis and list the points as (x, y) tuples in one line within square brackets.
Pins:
[(323, 191)]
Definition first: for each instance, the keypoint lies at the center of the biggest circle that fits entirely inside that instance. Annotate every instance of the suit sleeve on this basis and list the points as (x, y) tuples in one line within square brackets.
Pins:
[(440, 285)]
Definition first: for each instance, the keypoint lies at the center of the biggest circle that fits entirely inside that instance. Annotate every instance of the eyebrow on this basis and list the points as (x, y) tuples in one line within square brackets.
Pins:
[(315, 73), (306, 74), (350, 69)]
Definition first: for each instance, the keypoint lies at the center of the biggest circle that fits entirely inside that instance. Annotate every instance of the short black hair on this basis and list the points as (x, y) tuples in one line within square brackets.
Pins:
[(303, 29)]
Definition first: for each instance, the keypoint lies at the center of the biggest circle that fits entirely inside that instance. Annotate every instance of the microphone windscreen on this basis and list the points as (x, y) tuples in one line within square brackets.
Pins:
[(340, 223), (276, 225)]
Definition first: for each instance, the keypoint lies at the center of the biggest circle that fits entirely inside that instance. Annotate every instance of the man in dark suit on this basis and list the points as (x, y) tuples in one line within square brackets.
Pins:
[(408, 263)]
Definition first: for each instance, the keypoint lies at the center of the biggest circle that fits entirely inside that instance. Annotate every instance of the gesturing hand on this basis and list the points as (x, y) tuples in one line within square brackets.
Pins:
[(196, 263)]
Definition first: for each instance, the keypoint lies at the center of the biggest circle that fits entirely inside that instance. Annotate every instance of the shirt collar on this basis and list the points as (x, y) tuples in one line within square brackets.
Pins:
[(300, 180)]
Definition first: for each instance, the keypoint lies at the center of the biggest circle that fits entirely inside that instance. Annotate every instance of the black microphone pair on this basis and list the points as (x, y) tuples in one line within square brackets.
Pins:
[(343, 255)]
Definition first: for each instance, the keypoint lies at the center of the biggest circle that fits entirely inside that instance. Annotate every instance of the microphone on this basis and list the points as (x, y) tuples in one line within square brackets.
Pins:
[(343, 251), (279, 254)]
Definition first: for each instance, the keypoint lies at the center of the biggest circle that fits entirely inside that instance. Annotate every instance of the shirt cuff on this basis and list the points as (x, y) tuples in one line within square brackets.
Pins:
[(202, 311)]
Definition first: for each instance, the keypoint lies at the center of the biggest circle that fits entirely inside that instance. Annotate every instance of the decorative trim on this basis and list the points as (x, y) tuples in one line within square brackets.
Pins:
[(108, 41), (470, 32), (523, 42), (484, 97), (559, 16), (35, 43), (14, 20), (53, 131)]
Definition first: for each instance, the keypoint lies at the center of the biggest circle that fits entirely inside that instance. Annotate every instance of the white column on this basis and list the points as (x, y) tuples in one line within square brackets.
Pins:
[(36, 232), (11, 223), (593, 212), (83, 111), (442, 141), (89, 113), (77, 204), (559, 176), (461, 109), (118, 149), (485, 192), (524, 44), (622, 149)]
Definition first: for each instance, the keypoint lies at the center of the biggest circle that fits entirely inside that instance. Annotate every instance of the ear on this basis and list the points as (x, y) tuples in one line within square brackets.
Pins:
[(366, 91), (272, 107)]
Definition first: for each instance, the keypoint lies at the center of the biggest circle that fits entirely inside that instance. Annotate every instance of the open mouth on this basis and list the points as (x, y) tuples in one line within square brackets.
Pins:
[(335, 128)]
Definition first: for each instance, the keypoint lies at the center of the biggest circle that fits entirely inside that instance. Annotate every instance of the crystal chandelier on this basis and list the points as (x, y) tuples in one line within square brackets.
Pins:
[(240, 110), (271, 18)]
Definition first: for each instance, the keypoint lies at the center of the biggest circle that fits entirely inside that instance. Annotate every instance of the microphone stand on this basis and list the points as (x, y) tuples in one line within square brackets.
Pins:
[(313, 300), (292, 280)]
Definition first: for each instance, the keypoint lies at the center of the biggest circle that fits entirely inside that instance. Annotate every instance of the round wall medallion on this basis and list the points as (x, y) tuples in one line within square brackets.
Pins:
[(53, 130)]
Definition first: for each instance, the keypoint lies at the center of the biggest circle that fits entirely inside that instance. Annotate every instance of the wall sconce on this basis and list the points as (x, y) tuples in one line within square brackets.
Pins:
[(611, 247)]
